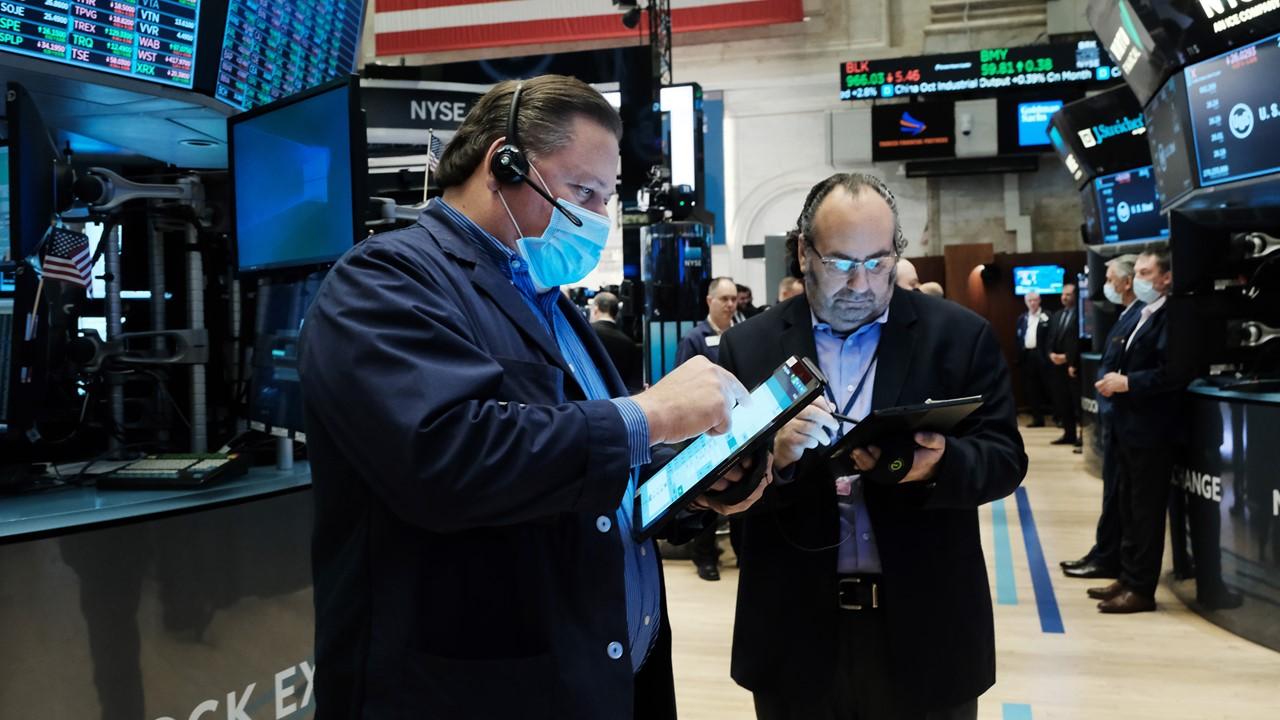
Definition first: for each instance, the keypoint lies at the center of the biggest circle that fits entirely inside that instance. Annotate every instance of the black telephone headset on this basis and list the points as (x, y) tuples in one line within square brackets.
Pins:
[(508, 164), (511, 167)]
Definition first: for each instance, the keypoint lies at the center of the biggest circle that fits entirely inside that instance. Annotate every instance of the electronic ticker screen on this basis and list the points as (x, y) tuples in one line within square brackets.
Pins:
[(1013, 68), (1105, 133), (913, 131), (1235, 112), (1127, 207), (146, 39), (1040, 279), (1171, 149), (271, 50)]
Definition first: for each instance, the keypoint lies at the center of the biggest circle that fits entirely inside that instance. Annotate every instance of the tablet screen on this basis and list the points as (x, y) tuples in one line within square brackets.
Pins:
[(707, 452)]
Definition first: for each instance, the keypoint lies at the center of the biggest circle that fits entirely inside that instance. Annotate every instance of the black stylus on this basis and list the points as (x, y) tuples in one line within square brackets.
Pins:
[(844, 418)]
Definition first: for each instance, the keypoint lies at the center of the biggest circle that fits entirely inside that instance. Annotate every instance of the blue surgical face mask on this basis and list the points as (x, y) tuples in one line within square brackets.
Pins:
[(1112, 294), (1145, 291), (564, 253)]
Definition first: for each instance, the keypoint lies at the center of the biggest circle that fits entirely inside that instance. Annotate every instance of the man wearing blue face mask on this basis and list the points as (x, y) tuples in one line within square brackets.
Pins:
[(474, 454), (1147, 426)]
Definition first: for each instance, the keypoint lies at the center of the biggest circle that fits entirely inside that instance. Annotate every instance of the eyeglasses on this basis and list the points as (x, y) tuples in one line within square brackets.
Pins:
[(847, 267)]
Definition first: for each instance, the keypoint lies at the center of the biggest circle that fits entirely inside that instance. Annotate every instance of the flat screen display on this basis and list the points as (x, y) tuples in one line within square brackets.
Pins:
[(294, 182), (271, 50), (275, 391), (1105, 132), (992, 69), (1171, 149), (145, 39), (1127, 207), (913, 131), (4, 207), (1033, 122), (1235, 113), (1042, 279), (783, 389), (1143, 62)]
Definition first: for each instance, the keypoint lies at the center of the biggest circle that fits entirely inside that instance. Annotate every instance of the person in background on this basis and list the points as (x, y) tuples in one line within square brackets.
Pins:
[(1033, 327), (933, 289), (745, 309), (908, 278), (1064, 363), (1148, 424), (789, 288), (704, 341), (1103, 559), (857, 599), (625, 353)]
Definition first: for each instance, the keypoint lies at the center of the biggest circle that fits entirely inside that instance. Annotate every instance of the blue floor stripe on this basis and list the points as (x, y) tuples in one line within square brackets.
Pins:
[(1046, 602), (1017, 711), (1006, 591)]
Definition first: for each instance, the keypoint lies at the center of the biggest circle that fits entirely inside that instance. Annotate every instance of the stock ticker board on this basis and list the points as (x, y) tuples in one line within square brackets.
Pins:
[(1026, 67), (271, 50), (146, 39)]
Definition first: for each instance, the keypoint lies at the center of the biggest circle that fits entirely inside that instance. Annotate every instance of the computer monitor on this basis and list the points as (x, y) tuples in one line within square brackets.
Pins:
[(1128, 208), (275, 394), (1042, 279), (297, 171)]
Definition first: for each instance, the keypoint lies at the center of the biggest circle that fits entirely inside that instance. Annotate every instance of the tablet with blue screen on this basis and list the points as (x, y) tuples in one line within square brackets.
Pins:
[(791, 388)]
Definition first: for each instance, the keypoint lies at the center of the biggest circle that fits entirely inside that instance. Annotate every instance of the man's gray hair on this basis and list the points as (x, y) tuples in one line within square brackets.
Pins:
[(1123, 265), (854, 183)]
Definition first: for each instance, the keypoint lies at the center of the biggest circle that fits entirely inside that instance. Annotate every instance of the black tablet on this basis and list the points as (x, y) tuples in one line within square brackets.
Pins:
[(776, 401), (929, 416)]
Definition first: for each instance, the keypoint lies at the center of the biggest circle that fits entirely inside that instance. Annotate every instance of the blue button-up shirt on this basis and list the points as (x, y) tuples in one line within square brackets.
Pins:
[(845, 360), (640, 561)]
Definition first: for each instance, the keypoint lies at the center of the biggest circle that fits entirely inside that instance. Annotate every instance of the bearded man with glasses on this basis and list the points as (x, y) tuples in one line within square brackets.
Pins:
[(856, 599)]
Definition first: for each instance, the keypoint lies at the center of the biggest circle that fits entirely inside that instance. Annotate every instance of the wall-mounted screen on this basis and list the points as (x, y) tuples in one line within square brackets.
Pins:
[(1235, 113), (1171, 148), (1127, 207), (1033, 122), (271, 50), (913, 131), (145, 39), (1042, 279), (993, 70)]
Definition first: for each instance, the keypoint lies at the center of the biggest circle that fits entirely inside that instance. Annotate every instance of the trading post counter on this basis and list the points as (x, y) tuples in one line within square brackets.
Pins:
[(1225, 513), (159, 604), (1090, 426)]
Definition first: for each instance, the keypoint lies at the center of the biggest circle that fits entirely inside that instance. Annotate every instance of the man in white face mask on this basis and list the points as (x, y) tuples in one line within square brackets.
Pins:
[(1147, 426), (474, 452)]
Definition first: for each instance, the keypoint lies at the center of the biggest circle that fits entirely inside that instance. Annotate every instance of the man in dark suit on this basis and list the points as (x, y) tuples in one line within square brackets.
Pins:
[(1147, 400), (473, 452), (745, 309), (857, 599), (1033, 330), (623, 351), (1103, 559), (1064, 361)]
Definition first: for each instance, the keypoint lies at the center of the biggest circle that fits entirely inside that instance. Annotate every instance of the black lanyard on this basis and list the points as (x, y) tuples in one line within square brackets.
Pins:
[(853, 397)]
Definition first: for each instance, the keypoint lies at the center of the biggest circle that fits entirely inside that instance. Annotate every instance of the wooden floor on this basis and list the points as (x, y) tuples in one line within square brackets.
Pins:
[(1165, 665)]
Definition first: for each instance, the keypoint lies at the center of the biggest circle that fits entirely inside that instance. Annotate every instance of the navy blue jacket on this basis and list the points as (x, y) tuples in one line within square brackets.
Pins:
[(1150, 414), (465, 559), (1113, 348), (1042, 337), (694, 343)]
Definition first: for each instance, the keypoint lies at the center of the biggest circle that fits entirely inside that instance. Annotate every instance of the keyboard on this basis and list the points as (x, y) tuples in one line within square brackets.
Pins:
[(182, 470)]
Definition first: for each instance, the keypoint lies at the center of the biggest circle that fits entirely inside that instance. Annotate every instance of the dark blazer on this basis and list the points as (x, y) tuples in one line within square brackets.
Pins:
[(937, 601), (1113, 349), (1064, 335), (1042, 335), (624, 352), (1149, 415), (465, 556), (695, 343)]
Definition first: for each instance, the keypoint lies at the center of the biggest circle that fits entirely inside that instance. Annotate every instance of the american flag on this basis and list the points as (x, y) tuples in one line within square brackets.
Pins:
[(433, 155), (68, 258), (403, 27)]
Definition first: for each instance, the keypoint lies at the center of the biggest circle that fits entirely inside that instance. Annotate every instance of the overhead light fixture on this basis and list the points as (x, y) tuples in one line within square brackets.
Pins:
[(197, 143), (631, 18)]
